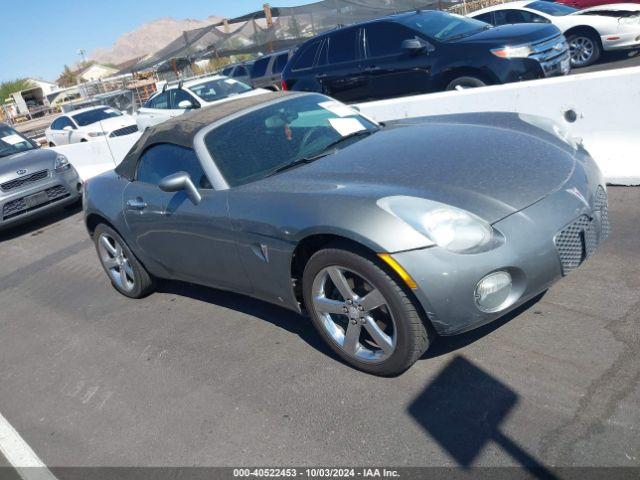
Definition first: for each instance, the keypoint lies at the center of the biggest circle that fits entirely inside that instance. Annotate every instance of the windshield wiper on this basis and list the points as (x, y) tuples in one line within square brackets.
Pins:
[(328, 150)]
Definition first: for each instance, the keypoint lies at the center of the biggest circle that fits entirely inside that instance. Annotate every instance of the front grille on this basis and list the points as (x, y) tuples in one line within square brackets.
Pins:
[(547, 54), (18, 207), (581, 238), (124, 131), (24, 180)]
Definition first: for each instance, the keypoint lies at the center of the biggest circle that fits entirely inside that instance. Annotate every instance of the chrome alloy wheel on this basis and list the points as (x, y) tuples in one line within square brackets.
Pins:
[(354, 314), (582, 50), (115, 261)]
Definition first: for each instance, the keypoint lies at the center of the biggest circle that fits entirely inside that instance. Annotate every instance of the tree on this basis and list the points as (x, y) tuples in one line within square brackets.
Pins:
[(294, 29), (68, 77), (12, 86)]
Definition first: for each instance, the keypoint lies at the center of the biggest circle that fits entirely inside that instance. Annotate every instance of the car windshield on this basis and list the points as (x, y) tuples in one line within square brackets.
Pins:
[(266, 141), (218, 89), (444, 26), (553, 9), (12, 142), (96, 115)]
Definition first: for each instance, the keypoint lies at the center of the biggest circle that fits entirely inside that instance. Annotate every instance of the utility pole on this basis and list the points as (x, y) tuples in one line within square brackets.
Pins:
[(269, 18), (82, 52)]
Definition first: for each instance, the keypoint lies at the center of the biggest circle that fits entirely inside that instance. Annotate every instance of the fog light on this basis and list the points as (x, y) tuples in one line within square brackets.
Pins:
[(493, 291)]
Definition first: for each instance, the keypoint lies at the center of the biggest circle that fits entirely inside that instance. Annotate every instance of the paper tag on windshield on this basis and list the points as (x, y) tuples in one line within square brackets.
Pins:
[(13, 139), (346, 126), (230, 81), (110, 110), (337, 108)]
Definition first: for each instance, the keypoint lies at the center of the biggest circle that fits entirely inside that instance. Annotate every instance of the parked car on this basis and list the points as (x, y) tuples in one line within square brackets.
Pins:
[(380, 234), (589, 32), (182, 97), (239, 71), (267, 70), (596, 3), (421, 52), (89, 124), (33, 181)]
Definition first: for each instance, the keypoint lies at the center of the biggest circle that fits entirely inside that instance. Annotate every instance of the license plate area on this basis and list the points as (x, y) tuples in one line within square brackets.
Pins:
[(565, 65), (36, 199)]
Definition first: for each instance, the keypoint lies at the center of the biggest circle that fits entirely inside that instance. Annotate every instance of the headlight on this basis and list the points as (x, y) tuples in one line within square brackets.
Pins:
[(522, 51), (448, 227), (62, 163), (97, 134)]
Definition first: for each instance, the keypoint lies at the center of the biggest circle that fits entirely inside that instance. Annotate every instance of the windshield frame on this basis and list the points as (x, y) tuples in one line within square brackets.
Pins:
[(30, 145), (208, 161), (562, 10)]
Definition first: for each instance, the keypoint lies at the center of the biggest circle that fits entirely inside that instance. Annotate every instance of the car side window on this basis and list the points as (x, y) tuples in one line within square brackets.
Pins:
[(343, 46), (160, 101), (178, 95), (163, 159), (64, 122), (226, 71), (281, 62), (486, 17), (56, 124), (260, 67), (307, 56), (509, 16), (240, 72), (385, 38)]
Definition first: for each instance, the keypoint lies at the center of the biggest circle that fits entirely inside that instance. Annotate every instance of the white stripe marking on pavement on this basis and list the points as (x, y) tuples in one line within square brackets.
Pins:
[(20, 455)]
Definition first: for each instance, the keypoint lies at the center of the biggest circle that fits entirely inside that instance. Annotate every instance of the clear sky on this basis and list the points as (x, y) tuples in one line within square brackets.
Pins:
[(38, 37)]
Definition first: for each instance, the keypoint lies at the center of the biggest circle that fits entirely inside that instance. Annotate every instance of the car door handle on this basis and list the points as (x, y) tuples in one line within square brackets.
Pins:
[(137, 204), (372, 69)]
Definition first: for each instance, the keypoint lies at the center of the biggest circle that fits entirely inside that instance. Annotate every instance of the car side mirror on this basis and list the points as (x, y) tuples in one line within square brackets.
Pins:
[(68, 128), (185, 105), (414, 46), (179, 181)]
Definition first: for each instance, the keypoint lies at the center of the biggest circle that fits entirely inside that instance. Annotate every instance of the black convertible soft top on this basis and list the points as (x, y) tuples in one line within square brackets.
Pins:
[(181, 130)]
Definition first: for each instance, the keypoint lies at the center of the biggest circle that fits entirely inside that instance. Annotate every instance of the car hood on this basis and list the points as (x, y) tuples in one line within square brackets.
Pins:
[(513, 34), (32, 161), (111, 124), (492, 165)]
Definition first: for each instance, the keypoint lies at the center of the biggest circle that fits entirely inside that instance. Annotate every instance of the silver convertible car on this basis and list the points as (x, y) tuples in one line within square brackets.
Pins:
[(383, 235)]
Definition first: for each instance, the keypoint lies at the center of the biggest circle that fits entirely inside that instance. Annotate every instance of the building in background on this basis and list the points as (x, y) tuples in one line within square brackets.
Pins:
[(97, 71)]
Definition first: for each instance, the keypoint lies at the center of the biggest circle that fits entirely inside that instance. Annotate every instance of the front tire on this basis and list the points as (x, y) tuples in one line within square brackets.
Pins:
[(465, 82), (128, 276), (363, 313), (584, 48)]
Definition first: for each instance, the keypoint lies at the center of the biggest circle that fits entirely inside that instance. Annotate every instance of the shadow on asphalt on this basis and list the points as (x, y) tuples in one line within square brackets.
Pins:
[(302, 326), (37, 225), (613, 60), (463, 409)]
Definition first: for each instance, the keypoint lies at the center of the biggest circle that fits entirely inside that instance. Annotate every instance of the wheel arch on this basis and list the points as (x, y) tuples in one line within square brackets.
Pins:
[(451, 74), (313, 243), (584, 29), (95, 219)]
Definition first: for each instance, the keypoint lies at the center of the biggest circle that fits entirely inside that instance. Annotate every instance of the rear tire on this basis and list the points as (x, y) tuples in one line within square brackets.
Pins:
[(405, 336), (466, 82), (128, 276), (585, 49)]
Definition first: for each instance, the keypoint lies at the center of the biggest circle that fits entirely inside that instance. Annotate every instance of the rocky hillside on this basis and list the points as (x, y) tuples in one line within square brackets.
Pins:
[(146, 39)]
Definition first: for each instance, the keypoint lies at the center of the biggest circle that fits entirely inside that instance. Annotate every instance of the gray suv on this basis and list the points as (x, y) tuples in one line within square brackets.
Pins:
[(32, 181), (267, 70)]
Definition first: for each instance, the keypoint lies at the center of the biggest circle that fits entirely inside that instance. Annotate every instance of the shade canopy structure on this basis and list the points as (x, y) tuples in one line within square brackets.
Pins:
[(275, 28)]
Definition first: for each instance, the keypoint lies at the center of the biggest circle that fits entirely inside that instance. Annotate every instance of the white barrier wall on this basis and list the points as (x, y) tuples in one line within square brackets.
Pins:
[(96, 157), (606, 106)]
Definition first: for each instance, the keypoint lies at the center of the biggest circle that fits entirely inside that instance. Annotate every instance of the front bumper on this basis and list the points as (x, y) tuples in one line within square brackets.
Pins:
[(621, 41), (534, 253), (57, 190)]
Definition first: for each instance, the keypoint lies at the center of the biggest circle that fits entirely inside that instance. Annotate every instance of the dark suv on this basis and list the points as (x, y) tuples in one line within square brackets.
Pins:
[(422, 52), (267, 70)]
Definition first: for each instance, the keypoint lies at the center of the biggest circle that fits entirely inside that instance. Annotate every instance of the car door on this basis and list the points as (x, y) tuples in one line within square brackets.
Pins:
[(65, 134), (154, 111), (190, 242), (392, 71), (177, 95), (339, 68)]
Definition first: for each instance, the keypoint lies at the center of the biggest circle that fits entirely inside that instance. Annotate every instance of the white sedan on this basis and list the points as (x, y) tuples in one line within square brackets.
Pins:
[(589, 31), (89, 124), (203, 92)]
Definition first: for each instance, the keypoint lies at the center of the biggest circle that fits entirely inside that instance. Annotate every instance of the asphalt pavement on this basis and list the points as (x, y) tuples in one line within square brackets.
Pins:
[(611, 61), (192, 376)]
